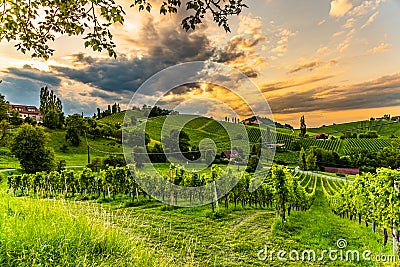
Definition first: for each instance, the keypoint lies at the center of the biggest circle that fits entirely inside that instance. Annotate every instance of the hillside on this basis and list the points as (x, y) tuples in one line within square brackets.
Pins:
[(119, 117), (383, 128), (77, 156), (199, 128)]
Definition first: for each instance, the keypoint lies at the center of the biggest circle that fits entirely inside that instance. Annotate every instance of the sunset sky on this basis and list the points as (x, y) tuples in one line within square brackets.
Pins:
[(333, 61)]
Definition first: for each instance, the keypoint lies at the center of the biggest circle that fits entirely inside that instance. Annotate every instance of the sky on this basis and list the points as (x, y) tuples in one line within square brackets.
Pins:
[(331, 60)]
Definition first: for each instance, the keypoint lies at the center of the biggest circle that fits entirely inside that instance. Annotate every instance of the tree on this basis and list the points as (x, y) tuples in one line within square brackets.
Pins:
[(51, 108), (295, 145), (72, 135), (302, 159), (253, 163), (29, 146), (14, 118), (30, 121), (281, 193), (51, 119), (170, 145), (114, 108), (35, 23), (3, 108), (311, 161), (157, 154), (303, 127), (115, 161), (138, 156), (4, 125), (96, 164), (75, 126), (135, 138)]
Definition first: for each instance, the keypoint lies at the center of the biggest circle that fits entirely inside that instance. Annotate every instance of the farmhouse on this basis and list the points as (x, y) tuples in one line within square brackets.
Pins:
[(230, 154), (251, 121), (27, 111), (322, 136)]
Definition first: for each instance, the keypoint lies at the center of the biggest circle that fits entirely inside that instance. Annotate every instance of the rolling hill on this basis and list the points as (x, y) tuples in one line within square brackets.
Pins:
[(383, 128), (199, 128)]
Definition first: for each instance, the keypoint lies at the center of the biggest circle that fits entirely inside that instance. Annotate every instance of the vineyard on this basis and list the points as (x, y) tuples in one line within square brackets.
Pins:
[(332, 145), (340, 146), (373, 199), (368, 144), (241, 216), (199, 128), (383, 128), (114, 118), (282, 189)]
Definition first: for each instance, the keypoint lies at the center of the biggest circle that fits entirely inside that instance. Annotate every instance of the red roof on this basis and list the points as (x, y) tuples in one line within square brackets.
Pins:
[(231, 154), (32, 110)]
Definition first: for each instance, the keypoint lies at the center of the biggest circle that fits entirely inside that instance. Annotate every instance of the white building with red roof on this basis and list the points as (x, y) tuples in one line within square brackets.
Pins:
[(27, 111)]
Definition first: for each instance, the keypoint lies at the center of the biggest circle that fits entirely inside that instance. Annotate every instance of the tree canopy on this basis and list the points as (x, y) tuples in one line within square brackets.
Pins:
[(29, 146), (3, 108), (51, 109), (35, 23)]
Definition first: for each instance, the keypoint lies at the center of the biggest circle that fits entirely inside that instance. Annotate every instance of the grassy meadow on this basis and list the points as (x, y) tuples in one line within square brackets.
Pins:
[(56, 232)]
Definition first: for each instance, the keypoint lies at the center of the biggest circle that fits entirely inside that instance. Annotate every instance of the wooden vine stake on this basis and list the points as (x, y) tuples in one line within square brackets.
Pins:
[(395, 232), (171, 194)]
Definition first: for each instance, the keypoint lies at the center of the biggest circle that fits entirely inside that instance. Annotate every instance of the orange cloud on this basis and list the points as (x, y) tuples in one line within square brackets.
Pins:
[(340, 7), (370, 20), (380, 48)]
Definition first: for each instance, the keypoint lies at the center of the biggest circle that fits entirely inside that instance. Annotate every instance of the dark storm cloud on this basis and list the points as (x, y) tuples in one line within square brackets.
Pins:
[(382, 92), (163, 46), (20, 91), (168, 42), (119, 76), (27, 72), (22, 86)]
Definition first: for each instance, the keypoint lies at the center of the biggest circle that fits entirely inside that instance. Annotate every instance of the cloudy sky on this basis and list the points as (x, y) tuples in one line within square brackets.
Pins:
[(333, 61)]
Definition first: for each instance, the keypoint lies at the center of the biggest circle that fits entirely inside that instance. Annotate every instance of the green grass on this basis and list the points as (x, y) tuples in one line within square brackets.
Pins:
[(319, 229), (7, 160), (77, 156), (55, 233), (148, 233)]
